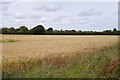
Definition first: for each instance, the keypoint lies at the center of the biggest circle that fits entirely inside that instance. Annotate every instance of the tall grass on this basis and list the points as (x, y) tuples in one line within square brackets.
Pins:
[(93, 64), (59, 56)]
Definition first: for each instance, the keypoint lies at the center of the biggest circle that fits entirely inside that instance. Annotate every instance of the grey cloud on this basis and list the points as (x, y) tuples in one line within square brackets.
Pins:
[(89, 12), (60, 18), (6, 5), (34, 16), (51, 8), (30, 18), (9, 17), (20, 17), (116, 13), (48, 8), (9, 0), (4, 8)]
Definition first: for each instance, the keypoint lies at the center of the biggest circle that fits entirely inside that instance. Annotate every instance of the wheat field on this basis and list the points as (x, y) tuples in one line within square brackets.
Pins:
[(50, 48)]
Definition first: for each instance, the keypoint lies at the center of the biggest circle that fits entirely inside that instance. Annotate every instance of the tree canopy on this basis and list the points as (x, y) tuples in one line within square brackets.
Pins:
[(50, 30), (39, 29), (22, 29), (114, 30)]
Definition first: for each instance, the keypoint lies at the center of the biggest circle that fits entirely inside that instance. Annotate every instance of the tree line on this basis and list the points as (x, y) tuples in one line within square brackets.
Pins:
[(40, 30)]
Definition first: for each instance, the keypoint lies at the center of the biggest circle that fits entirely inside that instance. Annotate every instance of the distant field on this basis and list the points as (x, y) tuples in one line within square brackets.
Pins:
[(59, 56)]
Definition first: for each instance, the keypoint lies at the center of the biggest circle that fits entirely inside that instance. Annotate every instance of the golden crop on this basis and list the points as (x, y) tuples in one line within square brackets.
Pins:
[(38, 46), (31, 49)]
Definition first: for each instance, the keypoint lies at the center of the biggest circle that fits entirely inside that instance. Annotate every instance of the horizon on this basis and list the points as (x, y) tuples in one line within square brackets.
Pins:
[(62, 29)]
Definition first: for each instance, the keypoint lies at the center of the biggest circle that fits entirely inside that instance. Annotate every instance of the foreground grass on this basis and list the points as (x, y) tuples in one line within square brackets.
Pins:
[(93, 64), (0, 71)]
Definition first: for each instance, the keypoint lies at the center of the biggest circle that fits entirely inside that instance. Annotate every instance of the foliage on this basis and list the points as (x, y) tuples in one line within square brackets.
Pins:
[(5, 30), (114, 30), (12, 29), (49, 30), (39, 29), (23, 29)]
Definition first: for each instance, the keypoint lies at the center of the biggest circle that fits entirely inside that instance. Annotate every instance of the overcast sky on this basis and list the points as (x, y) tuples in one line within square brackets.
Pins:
[(96, 16)]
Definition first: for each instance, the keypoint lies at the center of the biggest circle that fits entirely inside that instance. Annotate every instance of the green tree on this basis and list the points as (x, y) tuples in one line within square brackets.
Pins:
[(23, 29), (5, 30), (61, 30), (73, 30), (39, 29), (66, 31), (107, 31), (79, 30), (0, 30), (49, 30), (12, 29), (114, 30)]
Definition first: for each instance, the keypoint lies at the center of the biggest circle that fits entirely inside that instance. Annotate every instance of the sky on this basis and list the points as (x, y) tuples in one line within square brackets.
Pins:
[(95, 16)]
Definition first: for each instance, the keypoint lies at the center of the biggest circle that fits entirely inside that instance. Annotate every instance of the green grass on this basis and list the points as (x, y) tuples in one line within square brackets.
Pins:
[(0, 71), (89, 65), (8, 40)]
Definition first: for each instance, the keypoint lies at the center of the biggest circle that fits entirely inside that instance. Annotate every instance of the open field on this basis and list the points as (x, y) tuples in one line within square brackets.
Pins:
[(59, 56)]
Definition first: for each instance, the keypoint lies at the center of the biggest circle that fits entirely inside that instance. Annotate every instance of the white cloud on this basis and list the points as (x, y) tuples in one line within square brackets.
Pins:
[(47, 7), (59, 14), (89, 12), (59, 0)]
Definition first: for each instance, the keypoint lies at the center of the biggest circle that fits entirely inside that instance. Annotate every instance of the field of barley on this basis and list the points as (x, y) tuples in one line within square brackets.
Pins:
[(58, 56)]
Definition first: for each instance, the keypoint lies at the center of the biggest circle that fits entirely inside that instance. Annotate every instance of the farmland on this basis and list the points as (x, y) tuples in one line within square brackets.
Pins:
[(57, 56)]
